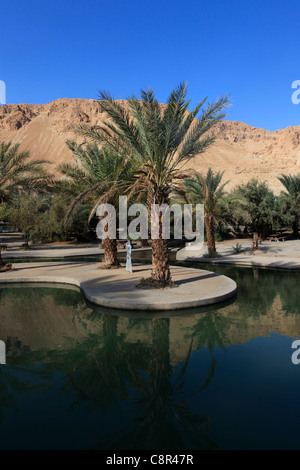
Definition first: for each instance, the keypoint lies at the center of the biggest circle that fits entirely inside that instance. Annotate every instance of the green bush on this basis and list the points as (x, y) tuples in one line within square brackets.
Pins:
[(50, 225)]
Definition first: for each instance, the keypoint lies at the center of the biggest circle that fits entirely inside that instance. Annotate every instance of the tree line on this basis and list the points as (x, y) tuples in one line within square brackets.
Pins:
[(140, 150)]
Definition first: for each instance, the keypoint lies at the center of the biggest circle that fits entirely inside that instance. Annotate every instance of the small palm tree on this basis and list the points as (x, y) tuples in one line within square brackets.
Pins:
[(16, 172), (162, 139), (100, 176), (234, 208), (292, 198), (208, 190)]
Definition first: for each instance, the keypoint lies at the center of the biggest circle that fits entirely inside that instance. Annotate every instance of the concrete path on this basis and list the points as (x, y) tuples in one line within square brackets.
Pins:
[(62, 252), (15, 249), (117, 288), (282, 255), (249, 261)]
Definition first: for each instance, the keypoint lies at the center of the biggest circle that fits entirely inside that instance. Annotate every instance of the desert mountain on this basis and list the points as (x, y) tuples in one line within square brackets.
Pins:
[(242, 151)]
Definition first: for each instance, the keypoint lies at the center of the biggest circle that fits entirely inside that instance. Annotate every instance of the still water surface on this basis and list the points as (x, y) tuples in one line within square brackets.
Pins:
[(79, 376)]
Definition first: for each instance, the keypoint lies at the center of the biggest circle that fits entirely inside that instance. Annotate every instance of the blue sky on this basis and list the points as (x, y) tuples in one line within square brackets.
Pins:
[(53, 49)]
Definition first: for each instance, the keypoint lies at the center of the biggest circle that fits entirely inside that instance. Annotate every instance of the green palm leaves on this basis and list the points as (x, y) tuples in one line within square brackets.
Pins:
[(160, 139), (291, 199), (99, 175), (291, 184), (16, 172), (207, 189)]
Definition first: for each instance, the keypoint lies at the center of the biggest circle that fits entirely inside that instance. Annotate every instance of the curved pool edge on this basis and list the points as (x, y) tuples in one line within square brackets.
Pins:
[(117, 289), (272, 263)]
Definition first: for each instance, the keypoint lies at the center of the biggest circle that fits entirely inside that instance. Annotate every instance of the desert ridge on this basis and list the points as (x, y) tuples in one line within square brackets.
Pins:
[(241, 151)]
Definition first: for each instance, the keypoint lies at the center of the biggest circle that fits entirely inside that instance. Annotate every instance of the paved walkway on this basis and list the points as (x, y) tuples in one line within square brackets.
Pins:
[(117, 288), (249, 261), (274, 255), (15, 249), (61, 252)]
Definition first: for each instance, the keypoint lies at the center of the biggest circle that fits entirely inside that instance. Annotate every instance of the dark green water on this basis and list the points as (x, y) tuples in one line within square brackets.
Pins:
[(80, 377)]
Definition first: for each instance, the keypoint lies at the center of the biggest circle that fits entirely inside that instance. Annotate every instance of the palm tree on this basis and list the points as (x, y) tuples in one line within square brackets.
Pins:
[(234, 209), (17, 173), (162, 139), (101, 176), (292, 198), (209, 190)]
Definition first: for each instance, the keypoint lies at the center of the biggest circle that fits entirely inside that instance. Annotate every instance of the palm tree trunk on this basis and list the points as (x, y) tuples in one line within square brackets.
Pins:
[(160, 262), (210, 234), (160, 368), (160, 256), (295, 228), (110, 258), (26, 240), (110, 246)]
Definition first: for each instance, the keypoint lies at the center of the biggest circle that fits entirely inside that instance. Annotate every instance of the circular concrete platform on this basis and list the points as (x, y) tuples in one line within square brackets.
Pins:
[(117, 288)]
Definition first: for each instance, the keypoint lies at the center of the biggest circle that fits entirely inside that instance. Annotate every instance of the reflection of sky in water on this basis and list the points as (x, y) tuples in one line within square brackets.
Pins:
[(79, 377)]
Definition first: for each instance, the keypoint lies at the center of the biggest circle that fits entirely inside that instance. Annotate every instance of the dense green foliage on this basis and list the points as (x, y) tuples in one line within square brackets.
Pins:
[(18, 173), (139, 151), (290, 201), (260, 207)]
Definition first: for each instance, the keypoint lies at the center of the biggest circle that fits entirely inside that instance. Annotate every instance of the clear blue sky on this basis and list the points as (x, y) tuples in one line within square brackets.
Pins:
[(250, 49)]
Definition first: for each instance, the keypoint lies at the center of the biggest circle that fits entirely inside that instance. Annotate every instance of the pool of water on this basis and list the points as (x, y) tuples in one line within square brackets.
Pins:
[(83, 377)]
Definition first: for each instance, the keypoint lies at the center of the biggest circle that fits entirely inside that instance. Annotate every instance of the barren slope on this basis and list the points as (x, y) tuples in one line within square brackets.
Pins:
[(241, 151)]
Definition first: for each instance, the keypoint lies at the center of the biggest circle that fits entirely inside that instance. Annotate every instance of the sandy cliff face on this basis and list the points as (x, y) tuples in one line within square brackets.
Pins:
[(242, 151)]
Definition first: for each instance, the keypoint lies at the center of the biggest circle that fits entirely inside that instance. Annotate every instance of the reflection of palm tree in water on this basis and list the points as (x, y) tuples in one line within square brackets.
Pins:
[(7, 401), (10, 384), (107, 370), (164, 419), (99, 376), (211, 330)]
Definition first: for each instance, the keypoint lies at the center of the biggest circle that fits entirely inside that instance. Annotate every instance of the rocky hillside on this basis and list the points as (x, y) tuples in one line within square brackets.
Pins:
[(241, 151)]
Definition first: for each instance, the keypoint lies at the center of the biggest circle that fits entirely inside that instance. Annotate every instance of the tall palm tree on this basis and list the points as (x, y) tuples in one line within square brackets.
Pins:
[(292, 198), (162, 139), (100, 176), (17, 173), (208, 190)]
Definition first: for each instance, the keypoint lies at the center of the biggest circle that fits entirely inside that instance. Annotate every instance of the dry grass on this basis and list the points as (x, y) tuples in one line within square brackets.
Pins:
[(151, 283)]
